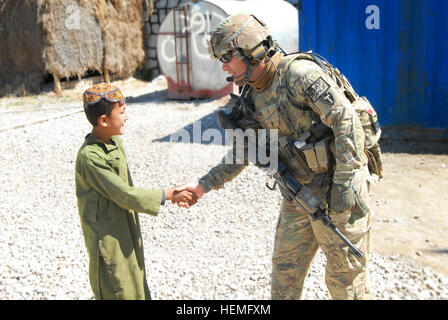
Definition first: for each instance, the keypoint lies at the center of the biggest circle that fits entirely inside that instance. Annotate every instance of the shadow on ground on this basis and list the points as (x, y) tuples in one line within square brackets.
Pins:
[(205, 130), (196, 129), (162, 96), (439, 251), (413, 146), (209, 121), (156, 96)]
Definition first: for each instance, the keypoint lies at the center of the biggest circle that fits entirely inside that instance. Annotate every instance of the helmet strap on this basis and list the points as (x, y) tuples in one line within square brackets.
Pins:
[(247, 74)]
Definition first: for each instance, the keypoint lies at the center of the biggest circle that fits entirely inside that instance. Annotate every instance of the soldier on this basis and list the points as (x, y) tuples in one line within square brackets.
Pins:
[(321, 139)]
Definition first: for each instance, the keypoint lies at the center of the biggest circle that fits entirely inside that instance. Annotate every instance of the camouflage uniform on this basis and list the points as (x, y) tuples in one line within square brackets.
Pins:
[(303, 95)]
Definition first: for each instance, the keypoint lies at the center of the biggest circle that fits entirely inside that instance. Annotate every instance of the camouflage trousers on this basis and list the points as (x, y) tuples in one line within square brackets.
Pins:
[(298, 238)]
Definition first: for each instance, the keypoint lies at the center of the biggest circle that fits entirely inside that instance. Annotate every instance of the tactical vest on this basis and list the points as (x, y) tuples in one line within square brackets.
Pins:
[(366, 113), (305, 143)]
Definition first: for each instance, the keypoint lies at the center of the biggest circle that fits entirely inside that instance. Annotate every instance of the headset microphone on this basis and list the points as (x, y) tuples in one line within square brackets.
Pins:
[(232, 78)]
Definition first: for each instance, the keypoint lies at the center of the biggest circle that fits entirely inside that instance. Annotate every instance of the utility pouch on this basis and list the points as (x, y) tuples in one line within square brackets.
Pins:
[(295, 159), (369, 121), (317, 155), (375, 163), (372, 133)]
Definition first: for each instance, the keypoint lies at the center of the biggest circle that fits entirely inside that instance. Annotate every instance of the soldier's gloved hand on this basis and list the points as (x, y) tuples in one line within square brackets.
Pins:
[(342, 197)]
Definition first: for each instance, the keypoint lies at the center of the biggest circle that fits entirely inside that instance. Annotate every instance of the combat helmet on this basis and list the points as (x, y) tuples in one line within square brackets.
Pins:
[(245, 36)]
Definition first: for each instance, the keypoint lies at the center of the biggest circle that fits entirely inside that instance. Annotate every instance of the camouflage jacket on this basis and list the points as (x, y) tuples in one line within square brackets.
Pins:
[(300, 98)]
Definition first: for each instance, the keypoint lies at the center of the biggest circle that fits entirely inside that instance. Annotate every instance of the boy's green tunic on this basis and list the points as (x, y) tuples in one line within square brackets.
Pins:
[(108, 205)]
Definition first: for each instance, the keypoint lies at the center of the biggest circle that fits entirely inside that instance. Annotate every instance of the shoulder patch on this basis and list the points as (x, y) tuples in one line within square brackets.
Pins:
[(327, 98), (315, 91)]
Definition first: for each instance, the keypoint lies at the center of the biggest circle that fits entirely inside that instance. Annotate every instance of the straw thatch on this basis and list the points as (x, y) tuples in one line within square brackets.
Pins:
[(21, 66), (73, 42), (121, 23), (68, 38)]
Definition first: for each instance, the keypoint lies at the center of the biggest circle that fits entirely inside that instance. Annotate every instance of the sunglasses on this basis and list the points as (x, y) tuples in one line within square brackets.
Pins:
[(113, 96), (226, 58)]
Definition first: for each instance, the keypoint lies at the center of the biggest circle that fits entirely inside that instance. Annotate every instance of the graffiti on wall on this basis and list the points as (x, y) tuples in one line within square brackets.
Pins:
[(198, 23)]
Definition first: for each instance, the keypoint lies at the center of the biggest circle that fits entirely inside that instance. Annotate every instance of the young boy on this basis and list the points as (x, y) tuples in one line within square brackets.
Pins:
[(108, 202)]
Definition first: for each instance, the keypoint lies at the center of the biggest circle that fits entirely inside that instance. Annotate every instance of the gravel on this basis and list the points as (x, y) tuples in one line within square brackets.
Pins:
[(219, 249)]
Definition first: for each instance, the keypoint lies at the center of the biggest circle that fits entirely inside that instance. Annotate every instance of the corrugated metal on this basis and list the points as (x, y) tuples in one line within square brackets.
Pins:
[(402, 67)]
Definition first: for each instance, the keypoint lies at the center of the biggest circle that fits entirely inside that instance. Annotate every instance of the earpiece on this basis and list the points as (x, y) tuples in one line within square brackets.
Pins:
[(257, 55)]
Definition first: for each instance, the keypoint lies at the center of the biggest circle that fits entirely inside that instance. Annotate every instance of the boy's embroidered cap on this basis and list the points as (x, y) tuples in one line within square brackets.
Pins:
[(102, 91)]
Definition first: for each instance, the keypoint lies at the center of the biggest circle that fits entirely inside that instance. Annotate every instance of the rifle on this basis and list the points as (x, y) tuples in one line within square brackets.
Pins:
[(291, 188)]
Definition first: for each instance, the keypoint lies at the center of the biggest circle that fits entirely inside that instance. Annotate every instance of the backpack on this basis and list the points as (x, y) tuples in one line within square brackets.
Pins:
[(366, 113)]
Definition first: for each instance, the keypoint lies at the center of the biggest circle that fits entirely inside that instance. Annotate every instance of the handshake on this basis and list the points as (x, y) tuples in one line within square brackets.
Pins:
[(185, 195)]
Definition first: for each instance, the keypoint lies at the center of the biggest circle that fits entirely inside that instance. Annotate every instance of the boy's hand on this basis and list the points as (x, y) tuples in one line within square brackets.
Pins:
[(182, 198), (193, 187), (196, 188)]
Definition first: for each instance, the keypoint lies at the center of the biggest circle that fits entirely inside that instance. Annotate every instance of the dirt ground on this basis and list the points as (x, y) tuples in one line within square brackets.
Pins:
[(410, 204)]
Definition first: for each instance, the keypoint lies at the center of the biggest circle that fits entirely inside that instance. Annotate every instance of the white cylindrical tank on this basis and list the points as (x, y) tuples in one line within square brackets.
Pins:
[(182, 49)]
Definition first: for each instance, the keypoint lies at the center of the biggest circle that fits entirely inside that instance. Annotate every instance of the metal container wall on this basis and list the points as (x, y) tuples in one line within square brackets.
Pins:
[(395, 54), (182, 42)]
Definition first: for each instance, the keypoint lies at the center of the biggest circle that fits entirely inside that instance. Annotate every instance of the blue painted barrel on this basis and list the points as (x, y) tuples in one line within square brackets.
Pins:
[(395, 52)]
